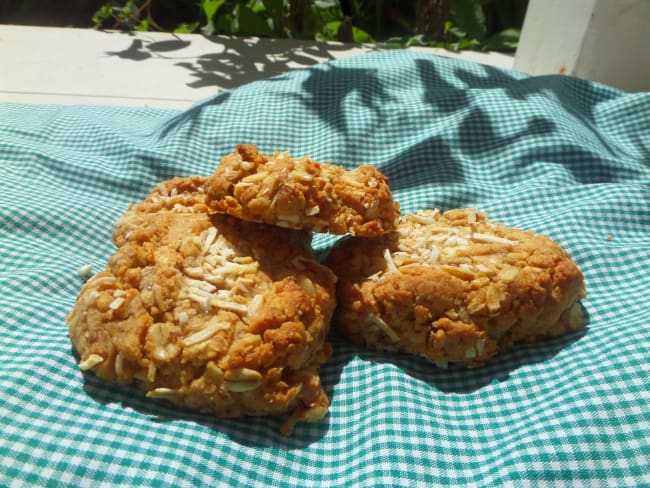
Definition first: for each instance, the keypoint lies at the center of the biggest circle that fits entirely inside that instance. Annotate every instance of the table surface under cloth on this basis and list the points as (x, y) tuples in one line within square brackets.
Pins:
[(553, 154)]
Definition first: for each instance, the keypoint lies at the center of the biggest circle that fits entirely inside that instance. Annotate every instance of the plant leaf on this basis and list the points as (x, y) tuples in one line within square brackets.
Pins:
[(330, 30), (275, 11), (468, 16), (506, 40), (102, 14), (210, 8), (326, 4), (187, 28), (251, 23), (143, 26), (361, 36)]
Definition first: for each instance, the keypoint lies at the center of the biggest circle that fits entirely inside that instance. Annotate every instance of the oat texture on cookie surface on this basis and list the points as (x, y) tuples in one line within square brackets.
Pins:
[(454, 287), (301, 193), (207, 311)]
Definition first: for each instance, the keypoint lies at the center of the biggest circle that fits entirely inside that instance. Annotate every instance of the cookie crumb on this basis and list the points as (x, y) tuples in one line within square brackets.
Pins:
[(85, 272)]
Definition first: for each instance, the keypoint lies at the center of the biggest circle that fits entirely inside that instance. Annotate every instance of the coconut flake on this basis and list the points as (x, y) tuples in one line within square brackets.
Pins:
[(392, 335), (85, 271), (201, 285), (97, 280), (434, 254), (452, 241), (162, 189), (254, 305), (477, 236), (119, 365), (199, 297), (161, 393), (117, 303), (211, 234), (90, 362), (390, 264), (205, 334), (421, 219), (302, 176), (228, 305), (348, 179), (375, 276), (312, 210), (151, 372), (194, 272), (92, 296)]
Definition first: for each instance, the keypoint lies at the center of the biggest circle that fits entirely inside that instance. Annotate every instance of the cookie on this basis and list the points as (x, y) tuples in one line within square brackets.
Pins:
[(302, 194), (454, 288), (208, 312)]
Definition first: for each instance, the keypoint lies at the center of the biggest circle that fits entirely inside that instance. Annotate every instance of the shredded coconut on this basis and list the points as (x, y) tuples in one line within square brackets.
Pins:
[(420, 219), (90, 362), (85, 271), (117, 303), (477, 236), (205, 334), (390, 265), (374, 319)]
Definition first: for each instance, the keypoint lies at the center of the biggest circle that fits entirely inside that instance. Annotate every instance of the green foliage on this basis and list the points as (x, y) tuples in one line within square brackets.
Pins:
[(208, 8), (469, 19), (452, 24)]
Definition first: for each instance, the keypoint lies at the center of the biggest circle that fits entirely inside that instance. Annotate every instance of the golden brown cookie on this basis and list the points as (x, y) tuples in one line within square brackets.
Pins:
[(209, 312), (302, 194), (454, 288)]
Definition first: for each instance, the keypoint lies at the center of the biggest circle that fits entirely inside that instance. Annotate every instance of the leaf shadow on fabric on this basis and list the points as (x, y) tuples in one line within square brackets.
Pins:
[(567, 91), (440, 94), (408, 169), (473, 135), (61, 169), (564, 88), (188, 119), (327, 87), (248, 431), (477, 132), (585, 166), (461, 380)]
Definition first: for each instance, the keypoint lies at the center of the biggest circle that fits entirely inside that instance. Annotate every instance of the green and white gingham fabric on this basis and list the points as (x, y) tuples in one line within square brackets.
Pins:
[(553, 154)]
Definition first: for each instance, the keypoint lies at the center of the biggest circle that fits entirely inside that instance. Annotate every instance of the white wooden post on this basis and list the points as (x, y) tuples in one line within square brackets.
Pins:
[(601, 40)]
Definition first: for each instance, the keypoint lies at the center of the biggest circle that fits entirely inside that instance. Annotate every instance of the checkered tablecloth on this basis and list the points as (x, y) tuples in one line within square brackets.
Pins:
[(552, 154)]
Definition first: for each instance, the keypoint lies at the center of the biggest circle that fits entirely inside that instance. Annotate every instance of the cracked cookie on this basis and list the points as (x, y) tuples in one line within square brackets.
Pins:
[(302, 194)]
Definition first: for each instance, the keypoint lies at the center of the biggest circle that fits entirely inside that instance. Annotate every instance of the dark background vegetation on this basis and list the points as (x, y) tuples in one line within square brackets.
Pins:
[(453, 24)]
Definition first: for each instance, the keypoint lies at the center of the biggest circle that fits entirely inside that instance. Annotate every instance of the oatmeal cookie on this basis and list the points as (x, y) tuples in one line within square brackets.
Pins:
[(302, 194), (207, 311), (454, 288)]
